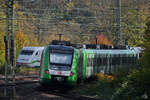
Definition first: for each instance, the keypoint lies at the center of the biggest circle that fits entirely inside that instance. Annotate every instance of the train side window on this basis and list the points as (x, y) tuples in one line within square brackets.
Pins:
[(126, 57), (133, 56), (136, 58), (95, 60), (113, 59), (126, 62), (123, 59), (111, 56), (92, 60), (130, 59), (118, 59), (37, 53), (100, 60), (88, 60), (105, 59)]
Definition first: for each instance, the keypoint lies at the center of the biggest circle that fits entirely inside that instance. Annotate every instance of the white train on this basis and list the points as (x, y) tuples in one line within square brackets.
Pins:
[(30, 56)]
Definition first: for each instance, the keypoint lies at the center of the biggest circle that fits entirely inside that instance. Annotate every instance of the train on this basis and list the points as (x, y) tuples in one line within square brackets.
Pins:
[(67, 64), (30, 57)]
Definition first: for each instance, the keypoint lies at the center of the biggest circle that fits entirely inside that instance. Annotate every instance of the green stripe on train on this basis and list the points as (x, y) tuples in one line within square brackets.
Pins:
[(35, 61)]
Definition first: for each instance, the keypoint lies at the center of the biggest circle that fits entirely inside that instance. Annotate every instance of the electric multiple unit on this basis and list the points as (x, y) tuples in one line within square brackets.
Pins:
[(67, 64)]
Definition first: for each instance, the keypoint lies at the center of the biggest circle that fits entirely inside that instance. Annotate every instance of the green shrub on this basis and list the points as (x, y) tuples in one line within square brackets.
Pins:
[(136, 86)]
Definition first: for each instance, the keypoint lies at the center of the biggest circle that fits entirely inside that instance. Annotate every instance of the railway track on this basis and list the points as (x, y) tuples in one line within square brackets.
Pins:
[(33, 90), (64, 91)]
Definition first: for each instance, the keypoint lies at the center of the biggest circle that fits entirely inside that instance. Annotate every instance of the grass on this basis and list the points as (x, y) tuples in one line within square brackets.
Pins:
[(21, 70), (27, 70)]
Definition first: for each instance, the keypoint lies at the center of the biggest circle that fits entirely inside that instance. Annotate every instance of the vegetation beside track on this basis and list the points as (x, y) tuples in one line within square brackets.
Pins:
[(27, 70), (134, 86), (102, 88), (22, 70)]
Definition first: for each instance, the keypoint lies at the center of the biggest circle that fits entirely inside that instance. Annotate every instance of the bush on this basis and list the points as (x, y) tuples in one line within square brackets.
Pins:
[(101, 76), (135, 86)]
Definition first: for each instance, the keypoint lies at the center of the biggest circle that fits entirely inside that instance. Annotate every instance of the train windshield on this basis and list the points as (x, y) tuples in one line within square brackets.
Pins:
[(26, 52), (60, 58)]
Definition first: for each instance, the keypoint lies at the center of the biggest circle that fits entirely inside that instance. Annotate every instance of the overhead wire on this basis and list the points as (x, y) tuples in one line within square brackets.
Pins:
[(35, 10)]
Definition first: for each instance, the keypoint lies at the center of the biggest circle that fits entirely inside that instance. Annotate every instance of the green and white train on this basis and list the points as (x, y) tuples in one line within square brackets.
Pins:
[(67, 64)]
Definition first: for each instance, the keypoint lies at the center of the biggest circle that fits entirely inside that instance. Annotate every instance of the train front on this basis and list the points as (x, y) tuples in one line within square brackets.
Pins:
[(60, 67)]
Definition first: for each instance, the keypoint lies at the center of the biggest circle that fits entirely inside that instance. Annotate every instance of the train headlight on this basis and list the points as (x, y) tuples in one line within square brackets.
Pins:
[(71, 73), (47, 72)]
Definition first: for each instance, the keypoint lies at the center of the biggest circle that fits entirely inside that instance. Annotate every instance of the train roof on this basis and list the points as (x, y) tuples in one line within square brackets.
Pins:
[(128, 51), (32, 48), (137, 49), (61, 47)]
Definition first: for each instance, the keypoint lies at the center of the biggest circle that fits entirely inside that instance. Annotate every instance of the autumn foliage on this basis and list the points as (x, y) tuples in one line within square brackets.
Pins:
[(102, 76), (101, 39)]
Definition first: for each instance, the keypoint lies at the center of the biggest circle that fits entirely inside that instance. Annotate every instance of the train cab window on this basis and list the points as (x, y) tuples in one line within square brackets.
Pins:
[(26, 52), (60, 58)]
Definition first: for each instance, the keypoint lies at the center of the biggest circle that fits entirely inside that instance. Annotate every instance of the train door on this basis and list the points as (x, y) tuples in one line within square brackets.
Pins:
[(80, 65)]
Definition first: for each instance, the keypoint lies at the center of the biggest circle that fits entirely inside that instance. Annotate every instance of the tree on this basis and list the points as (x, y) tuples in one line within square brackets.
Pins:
[(146, 45), (21, 40), (136, 85), (2, 32)]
